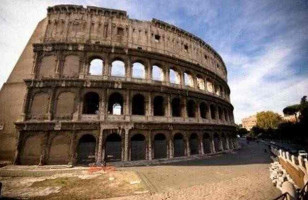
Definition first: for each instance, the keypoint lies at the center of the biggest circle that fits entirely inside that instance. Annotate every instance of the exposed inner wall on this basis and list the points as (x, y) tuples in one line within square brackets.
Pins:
[(12, 95), (113, 27)]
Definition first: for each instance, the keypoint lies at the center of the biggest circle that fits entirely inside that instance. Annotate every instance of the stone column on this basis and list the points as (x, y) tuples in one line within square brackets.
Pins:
[(59, 65), (127, 106), (227, 143), (149, 71), (106, 67), (150, 145), (182, 81), (184, 109), (44, 150), (126, 140), (213, 145), (168, 108), (170, 147), (201, 151), (26, 105), (187, 146), (221, 143), (51, 107), (198, 112), (20, 139), (100, 146), (72, 149), (167, 76), (128, 69)]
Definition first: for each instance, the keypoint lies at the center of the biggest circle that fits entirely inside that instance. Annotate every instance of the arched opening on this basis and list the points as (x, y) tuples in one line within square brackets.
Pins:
[(226, 115), (31, 151), (40, 105), (138, 147), (213, 112), (96, 67), (224, 141), (176, 107), (217, 142), (160, 146), (91, 103), (118, 68), (115, 104), (175, 77), (179, 145), (138, 105), (188, 80), (65, 105), (193, 144), (159, 108), (59, 150), (86, 149), (71, 66), (191, 110), (206, 143), (138, 70), (220, 113), (200, 83), (221, 91), (210, 87), (157, 73), (217, 90), (203, 110), (113, 147)]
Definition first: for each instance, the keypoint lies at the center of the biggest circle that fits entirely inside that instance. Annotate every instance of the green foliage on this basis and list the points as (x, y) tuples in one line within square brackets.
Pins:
[(291, 110), (268, 119)]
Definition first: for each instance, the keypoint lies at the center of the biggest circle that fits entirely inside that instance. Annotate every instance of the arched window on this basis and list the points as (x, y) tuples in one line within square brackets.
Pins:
[(179, 145), (191, 110), (200, 83), (113, 147), (90, 103), (213, 111), (193, 144), (157, 73), (138, 147), (206, 143), (86, 149), (220, 112), (118, 68), (175, 76), (159, 109), (203, 110), (96, 67), (217, 90), (138, 105), (221, 91), (217, 142), (188, 79), (138, 70), (176, 107), (226, 115), (210, 86), (160, 146), (115, 104)]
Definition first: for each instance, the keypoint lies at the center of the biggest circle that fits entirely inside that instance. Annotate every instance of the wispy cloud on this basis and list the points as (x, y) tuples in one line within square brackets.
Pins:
[(263, 43)]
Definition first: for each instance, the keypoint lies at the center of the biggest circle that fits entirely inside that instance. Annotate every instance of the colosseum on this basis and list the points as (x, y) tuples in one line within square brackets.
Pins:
[(93, 85)]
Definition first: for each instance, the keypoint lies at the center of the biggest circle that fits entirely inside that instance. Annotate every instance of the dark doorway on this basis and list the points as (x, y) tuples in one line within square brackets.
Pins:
[(159, 108), (193, 144), (213, 112), (113, 148), (160, 146), (138, 105), (176, 107), (206, 143), (191, 109), (217, 142), (203, 110), (179, 145), (138, 147), (90, 103), (86, 149)]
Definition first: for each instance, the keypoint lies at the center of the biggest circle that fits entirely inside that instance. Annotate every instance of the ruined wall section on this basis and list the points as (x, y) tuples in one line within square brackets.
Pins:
[(75, 24)]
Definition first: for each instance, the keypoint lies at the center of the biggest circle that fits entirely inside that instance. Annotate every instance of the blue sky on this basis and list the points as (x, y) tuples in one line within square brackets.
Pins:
[(264, 43)]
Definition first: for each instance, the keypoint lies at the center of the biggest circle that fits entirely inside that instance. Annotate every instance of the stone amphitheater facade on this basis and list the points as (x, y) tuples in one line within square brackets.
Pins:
[(93, 85)]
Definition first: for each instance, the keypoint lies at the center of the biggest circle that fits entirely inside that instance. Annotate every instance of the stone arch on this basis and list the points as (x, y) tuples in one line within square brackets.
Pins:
[(203, 110), (65, 105), (191, 108), (178, 145), (194, 144), (113, 147), (159, 108), (176, 107), (209, 86), (138, 105), (157, 73), (160, 146), (48, 66), (118, 68), (224, 141), (220, 113), (32, 150), (115, 104), (226, 115), (138, 70), (96, 66), (207, 143), (40, 104), (86, 149), (213, 111), (200, 83), (59, 150), (188, 79), (217, 141), (138, 147), (71, 66), (175, 76), (91, 103)]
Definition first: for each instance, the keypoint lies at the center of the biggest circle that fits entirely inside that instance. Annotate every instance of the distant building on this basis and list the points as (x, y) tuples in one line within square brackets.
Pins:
[(249, 122)]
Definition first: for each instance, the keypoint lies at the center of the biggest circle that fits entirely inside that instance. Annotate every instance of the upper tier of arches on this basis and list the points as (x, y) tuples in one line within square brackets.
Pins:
[(114, 28)]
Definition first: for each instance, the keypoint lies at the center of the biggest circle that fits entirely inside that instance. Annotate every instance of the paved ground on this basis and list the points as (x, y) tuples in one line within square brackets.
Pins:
[(240, 175)]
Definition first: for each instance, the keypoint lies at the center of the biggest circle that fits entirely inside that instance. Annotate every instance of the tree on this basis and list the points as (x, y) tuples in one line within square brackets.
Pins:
[(242, 131), (292, 110), (268, 119)]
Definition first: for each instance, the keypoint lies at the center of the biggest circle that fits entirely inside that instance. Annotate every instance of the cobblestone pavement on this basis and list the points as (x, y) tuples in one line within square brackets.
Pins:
[(239, 175)]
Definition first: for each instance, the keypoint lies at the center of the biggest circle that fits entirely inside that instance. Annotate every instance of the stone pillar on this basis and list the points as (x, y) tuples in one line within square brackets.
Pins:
[(187, 147), (127, 103), (167, 76), (100, 146), (221, 143), (44, 151), (201, 151), (59, 65), (168, 107), (184, 109), (198, 112), (26, 105), (126, 140), (182, 81), (51, 107), (18, 147), (128, 69), (150, 145), (72, 149), (106, 67), (149, 71), (171, 147), (213, 145), (227, 143)]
